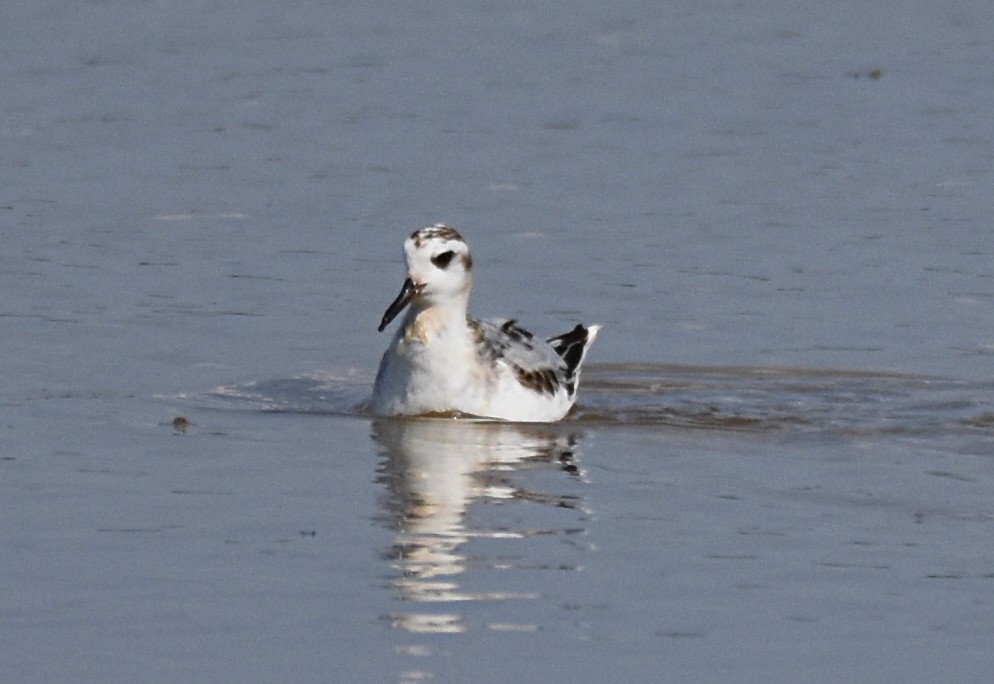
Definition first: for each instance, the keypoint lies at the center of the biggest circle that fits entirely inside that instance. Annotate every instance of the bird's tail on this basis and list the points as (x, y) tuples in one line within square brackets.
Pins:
[(573, 346)]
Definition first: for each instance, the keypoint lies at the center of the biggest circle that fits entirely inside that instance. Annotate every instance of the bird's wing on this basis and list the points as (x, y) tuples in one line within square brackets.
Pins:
[(505, 340)]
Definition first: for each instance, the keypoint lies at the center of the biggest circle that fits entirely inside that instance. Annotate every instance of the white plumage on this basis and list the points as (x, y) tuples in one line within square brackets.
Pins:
[(442, 361)]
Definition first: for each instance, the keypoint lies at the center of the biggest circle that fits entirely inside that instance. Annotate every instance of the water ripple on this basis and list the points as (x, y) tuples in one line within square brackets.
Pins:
[(718, 398)]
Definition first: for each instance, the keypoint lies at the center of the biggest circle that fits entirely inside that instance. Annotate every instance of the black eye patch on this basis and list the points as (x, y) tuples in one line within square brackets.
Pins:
[(444, 259)]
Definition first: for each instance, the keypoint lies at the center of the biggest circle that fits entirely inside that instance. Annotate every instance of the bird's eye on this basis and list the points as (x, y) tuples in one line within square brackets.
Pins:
[(444, 259)]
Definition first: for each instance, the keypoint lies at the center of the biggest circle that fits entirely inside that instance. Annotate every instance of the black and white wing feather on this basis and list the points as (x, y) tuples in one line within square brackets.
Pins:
[(544, 366)]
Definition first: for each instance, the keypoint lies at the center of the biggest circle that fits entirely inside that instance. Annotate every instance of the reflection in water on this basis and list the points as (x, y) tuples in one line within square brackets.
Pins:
[(434, 469)]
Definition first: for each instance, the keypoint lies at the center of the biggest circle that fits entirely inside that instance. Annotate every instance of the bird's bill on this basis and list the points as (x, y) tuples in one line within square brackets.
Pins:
[(408, 292)]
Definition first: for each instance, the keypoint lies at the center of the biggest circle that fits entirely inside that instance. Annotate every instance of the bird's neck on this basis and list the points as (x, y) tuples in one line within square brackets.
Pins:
[(429, 321)]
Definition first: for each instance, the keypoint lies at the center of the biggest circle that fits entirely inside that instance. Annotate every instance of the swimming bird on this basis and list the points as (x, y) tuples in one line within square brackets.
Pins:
[(441, 360)]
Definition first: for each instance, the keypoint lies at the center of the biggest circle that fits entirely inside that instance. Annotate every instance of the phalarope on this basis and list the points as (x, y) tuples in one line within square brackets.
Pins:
[(441, 360)]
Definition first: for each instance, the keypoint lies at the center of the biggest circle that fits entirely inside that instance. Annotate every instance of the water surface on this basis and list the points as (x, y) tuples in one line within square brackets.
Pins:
[(779, 469)]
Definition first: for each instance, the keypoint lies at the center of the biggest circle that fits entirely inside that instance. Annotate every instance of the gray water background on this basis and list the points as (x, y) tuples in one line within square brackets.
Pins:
[(780, 469)]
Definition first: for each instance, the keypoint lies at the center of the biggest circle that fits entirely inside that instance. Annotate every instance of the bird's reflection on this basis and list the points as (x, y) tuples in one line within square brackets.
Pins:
[(433, 471)]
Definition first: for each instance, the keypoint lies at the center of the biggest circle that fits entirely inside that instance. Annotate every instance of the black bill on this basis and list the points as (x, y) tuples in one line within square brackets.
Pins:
[(408, 292)]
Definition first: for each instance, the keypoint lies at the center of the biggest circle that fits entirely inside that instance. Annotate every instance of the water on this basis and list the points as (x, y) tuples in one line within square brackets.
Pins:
[(780, 466)]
